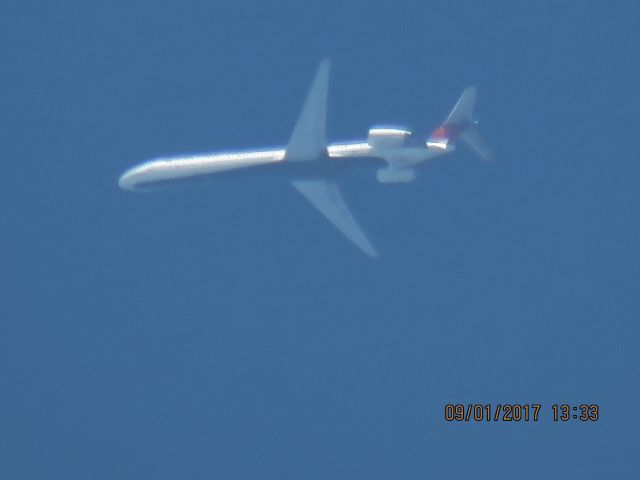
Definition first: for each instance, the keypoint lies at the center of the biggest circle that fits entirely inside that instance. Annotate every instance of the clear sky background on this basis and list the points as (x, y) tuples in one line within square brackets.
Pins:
[(228, 331)]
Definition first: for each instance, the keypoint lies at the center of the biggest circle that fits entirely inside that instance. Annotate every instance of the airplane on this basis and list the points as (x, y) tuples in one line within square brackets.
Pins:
[(313, 165)]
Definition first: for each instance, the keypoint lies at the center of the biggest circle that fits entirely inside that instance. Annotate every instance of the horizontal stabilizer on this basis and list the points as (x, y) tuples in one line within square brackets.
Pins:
[(460, 125), (462, 112), (473, 140)]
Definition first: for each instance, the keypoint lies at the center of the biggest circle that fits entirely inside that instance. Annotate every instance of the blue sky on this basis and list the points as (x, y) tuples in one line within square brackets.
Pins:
[(229, 331)]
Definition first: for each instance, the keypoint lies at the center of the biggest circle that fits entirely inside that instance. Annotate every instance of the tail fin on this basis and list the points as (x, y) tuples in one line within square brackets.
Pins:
[(460, 124)]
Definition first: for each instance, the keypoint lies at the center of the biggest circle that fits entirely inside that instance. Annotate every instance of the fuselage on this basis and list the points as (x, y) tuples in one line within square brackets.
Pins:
[(339, 157), (311, 164)]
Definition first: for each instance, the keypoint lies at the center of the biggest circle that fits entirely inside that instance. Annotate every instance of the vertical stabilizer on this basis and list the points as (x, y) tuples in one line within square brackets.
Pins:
[(460, 125)]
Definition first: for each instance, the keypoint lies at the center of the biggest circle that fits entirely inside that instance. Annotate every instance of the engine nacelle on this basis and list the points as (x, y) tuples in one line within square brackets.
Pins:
[(395, 175), (388, 137)]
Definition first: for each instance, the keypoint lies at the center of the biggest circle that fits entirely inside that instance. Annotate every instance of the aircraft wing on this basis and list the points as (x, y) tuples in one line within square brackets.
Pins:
[(326, 197), (308, 143), (308, 140)]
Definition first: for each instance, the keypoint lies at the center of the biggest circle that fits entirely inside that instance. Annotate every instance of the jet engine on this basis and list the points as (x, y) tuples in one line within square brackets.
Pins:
[(395, 175), (388, 137)]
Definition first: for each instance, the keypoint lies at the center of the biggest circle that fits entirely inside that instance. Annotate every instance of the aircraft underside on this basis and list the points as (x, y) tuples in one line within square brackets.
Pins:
[(313, 166)]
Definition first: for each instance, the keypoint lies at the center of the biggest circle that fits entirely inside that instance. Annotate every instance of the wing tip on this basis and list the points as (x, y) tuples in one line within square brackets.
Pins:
[(371, 252)]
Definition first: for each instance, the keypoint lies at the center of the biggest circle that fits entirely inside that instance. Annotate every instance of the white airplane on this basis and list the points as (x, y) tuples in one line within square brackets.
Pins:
[(313, 165)]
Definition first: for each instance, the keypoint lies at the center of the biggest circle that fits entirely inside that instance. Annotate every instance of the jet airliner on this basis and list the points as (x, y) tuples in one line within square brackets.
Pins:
[(313, 165)]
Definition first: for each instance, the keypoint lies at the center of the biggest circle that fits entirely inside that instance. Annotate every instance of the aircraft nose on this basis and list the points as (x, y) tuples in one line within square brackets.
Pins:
[(127, 180)]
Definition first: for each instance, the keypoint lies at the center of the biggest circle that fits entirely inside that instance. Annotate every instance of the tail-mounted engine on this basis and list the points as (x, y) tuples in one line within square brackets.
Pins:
[(388, 137)]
